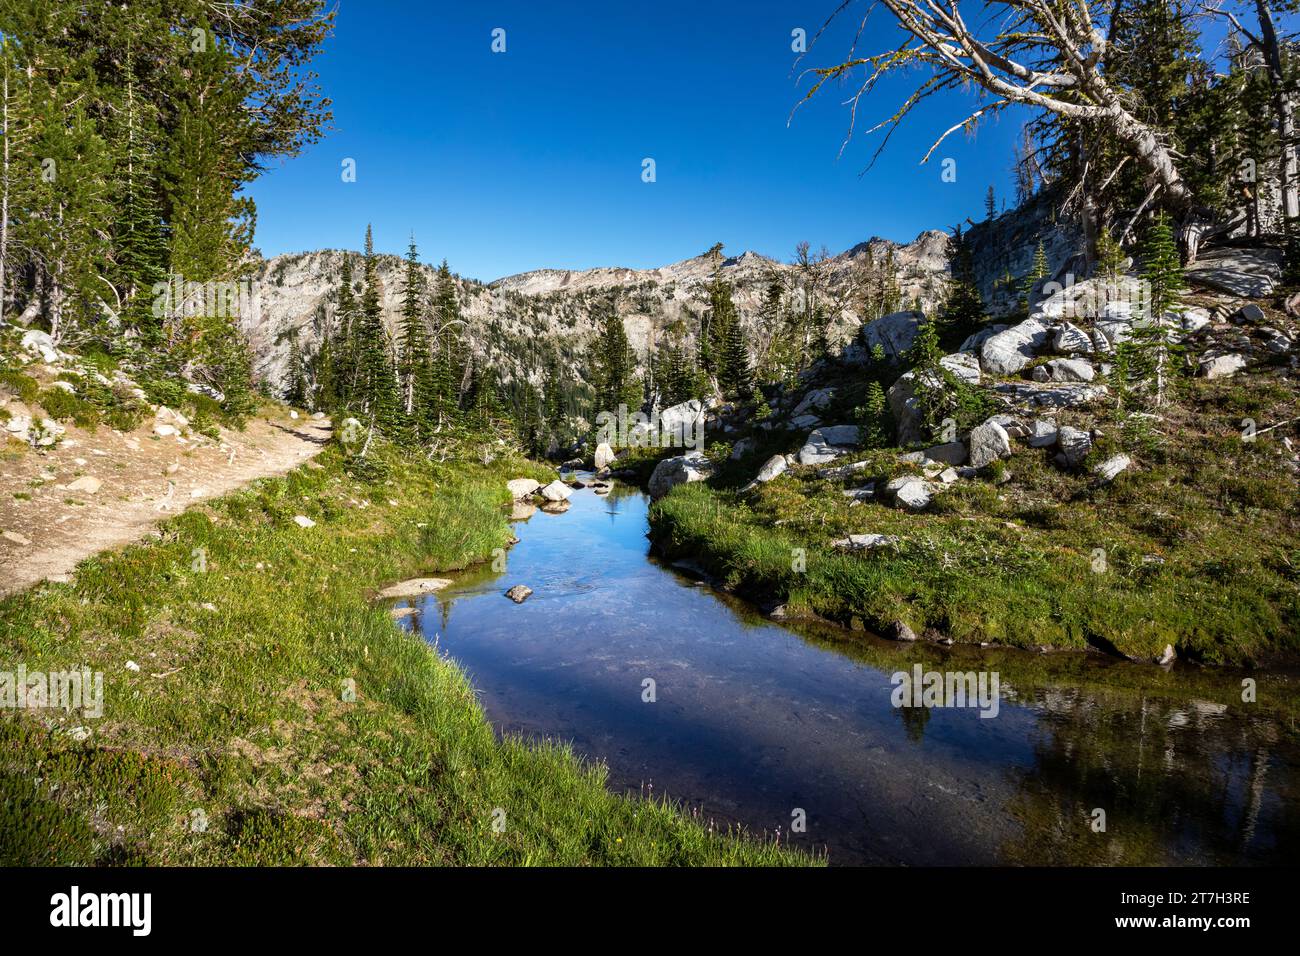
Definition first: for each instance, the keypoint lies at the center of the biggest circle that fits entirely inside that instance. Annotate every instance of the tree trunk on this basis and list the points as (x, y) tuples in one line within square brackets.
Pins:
[(1285, 110)]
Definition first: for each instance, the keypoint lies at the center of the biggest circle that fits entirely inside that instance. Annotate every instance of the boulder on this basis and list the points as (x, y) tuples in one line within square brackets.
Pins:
[(1193, 320), (603, 457), (964, 365), (1010, 351), (741, 448), (36, 342), (1042, 433), (556, 491), (906, 410), (1065, 370), (45, 433), (771, 468), (894, 333), (827, 444), (1250, 273), (682, 423), (914, 495), (864, 542), (988, 443), (519, 593), (680, 470), (1222, 366), (1054, 395), (1074, 444), (522, 487), (1249, 314), (1111, 467), (1071, 340), (977, 339), (950, 453), (814, 401)]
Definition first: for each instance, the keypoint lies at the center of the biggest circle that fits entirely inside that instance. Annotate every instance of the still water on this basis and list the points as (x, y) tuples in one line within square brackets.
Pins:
[(759, 724)]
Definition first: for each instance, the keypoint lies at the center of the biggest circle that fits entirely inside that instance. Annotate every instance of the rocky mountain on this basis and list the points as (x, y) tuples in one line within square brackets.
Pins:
[(515, 321)]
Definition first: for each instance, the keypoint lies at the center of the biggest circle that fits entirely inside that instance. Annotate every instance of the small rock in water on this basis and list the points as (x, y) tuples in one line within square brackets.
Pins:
[(556, 491), (519, 593), (1168, 656)]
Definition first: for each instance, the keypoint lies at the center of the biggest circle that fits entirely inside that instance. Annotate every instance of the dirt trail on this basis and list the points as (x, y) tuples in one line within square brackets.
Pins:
[(47, 527)]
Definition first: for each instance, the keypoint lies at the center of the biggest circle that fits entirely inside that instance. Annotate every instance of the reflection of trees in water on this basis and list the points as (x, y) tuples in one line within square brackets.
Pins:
[(1180, 783), (914, 721)]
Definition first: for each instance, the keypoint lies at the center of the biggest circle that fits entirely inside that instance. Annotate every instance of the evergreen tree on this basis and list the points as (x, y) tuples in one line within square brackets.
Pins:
[(1151, 347), (296, 387), (1036, 274), (415, 372), (962, 311), (450, 363), (377, 382), (614, 367)]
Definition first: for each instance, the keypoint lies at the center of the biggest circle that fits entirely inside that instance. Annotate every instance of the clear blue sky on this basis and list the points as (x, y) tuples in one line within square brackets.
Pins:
[(532, 158)]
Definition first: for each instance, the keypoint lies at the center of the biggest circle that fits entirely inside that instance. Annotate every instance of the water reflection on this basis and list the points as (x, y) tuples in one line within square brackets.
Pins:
[(753, 722)]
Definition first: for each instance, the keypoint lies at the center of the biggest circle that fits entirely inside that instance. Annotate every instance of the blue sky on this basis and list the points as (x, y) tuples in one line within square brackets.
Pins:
[(532, 158)]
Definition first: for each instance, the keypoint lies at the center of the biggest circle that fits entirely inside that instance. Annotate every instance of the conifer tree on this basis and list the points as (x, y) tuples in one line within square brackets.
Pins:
[(1162, 274), (1036, 274), (415, 372), (296, 387), (450, 364), (962, 311), (377, 381), (613, 368)]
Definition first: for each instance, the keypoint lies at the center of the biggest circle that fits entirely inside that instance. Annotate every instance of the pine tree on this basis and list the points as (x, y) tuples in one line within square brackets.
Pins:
[(990, 205), (1036, 274), (415, 372), (1110, 255), (1162, 273), (295, 376), (377, 385), (962, 311), (613, 368), (450, 364)]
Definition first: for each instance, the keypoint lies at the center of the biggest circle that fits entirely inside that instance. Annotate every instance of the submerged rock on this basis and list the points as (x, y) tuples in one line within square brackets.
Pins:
[(519, 593)]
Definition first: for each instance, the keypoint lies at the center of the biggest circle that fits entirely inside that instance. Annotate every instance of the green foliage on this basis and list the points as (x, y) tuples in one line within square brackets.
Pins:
[(131, 134)]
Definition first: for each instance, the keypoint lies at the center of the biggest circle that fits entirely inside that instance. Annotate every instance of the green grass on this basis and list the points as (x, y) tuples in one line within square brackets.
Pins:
[(1201, 542), (235, 744)]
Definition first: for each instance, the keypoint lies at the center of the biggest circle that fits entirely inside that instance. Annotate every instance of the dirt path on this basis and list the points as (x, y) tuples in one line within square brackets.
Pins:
[(52, 515)]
